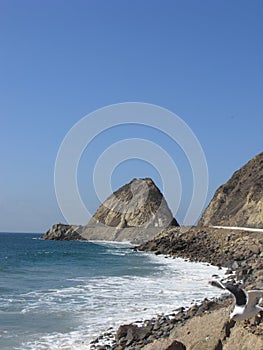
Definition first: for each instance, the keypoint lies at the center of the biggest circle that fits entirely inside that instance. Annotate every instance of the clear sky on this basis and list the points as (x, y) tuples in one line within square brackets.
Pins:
[(61, 60)]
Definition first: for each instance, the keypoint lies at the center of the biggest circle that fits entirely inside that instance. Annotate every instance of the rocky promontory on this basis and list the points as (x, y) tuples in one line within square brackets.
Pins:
[(136, 212)]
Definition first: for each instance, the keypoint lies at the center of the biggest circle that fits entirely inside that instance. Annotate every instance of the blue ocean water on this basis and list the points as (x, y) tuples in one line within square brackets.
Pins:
[(62, 294)]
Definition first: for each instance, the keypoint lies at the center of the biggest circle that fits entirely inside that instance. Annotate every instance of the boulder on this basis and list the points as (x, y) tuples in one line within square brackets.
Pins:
[(165, 344), (128, 334), (209, 343)]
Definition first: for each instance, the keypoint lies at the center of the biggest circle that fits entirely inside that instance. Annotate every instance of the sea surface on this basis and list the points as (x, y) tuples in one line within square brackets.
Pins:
[(58, 295)]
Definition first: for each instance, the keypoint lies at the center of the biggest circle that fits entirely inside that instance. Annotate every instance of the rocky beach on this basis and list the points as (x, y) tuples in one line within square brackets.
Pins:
[(239, 251), (204, 326)]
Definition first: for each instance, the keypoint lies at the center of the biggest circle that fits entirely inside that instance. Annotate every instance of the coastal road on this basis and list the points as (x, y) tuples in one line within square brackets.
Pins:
[(240, 228)]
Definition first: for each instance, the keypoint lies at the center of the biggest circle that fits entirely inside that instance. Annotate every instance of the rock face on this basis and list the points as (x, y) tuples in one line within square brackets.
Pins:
[(136, 204), (63, 232), (239, 202), (136, 212)]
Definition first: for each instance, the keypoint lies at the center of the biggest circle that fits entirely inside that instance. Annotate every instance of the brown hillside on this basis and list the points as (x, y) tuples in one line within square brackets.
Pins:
[(239, 202)]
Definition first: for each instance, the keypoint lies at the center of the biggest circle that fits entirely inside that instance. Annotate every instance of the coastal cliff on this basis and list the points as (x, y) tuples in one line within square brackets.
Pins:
[(239, 202)]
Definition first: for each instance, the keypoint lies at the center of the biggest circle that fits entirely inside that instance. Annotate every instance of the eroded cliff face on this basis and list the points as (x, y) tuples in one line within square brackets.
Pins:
[(136, 204), (239, 202), (136, 212)]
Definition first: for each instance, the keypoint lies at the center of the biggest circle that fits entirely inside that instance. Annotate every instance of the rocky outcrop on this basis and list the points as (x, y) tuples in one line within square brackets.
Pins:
[(136, 212), (239, 202), (63, 232), (136, 204)]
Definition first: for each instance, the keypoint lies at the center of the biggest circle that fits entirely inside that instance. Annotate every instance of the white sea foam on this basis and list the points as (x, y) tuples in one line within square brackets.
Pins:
[(100, 303), (112, 243)]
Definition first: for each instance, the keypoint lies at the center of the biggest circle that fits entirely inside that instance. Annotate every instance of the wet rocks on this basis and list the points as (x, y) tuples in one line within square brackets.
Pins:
[(136, 336), (239, 251), (129, 334), (143, 335)]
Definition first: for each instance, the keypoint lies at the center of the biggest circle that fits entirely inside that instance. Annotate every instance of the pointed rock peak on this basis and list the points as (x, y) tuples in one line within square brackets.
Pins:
[(136, 204)]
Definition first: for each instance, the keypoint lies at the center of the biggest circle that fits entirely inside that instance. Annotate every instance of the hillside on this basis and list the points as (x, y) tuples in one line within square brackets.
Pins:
[(239, 202)]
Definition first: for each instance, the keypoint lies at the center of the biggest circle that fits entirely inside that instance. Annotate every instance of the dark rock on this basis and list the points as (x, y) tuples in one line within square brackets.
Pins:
[(206, 306), (131, 333), (165, 345)]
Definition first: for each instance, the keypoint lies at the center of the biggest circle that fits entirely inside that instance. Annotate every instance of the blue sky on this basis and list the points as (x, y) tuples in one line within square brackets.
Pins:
[(61, 60)]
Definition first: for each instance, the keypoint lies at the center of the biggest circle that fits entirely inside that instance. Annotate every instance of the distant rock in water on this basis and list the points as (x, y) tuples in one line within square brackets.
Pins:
[(239, 202), (63, 232), (136, 212)]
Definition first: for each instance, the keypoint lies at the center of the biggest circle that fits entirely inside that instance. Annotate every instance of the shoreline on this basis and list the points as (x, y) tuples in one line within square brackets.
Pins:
[(160, 323), (239, 251), (134, 335), (233, 250), (137, 335)]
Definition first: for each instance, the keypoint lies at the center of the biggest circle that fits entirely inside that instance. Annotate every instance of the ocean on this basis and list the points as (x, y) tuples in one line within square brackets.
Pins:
[(62, 294)]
